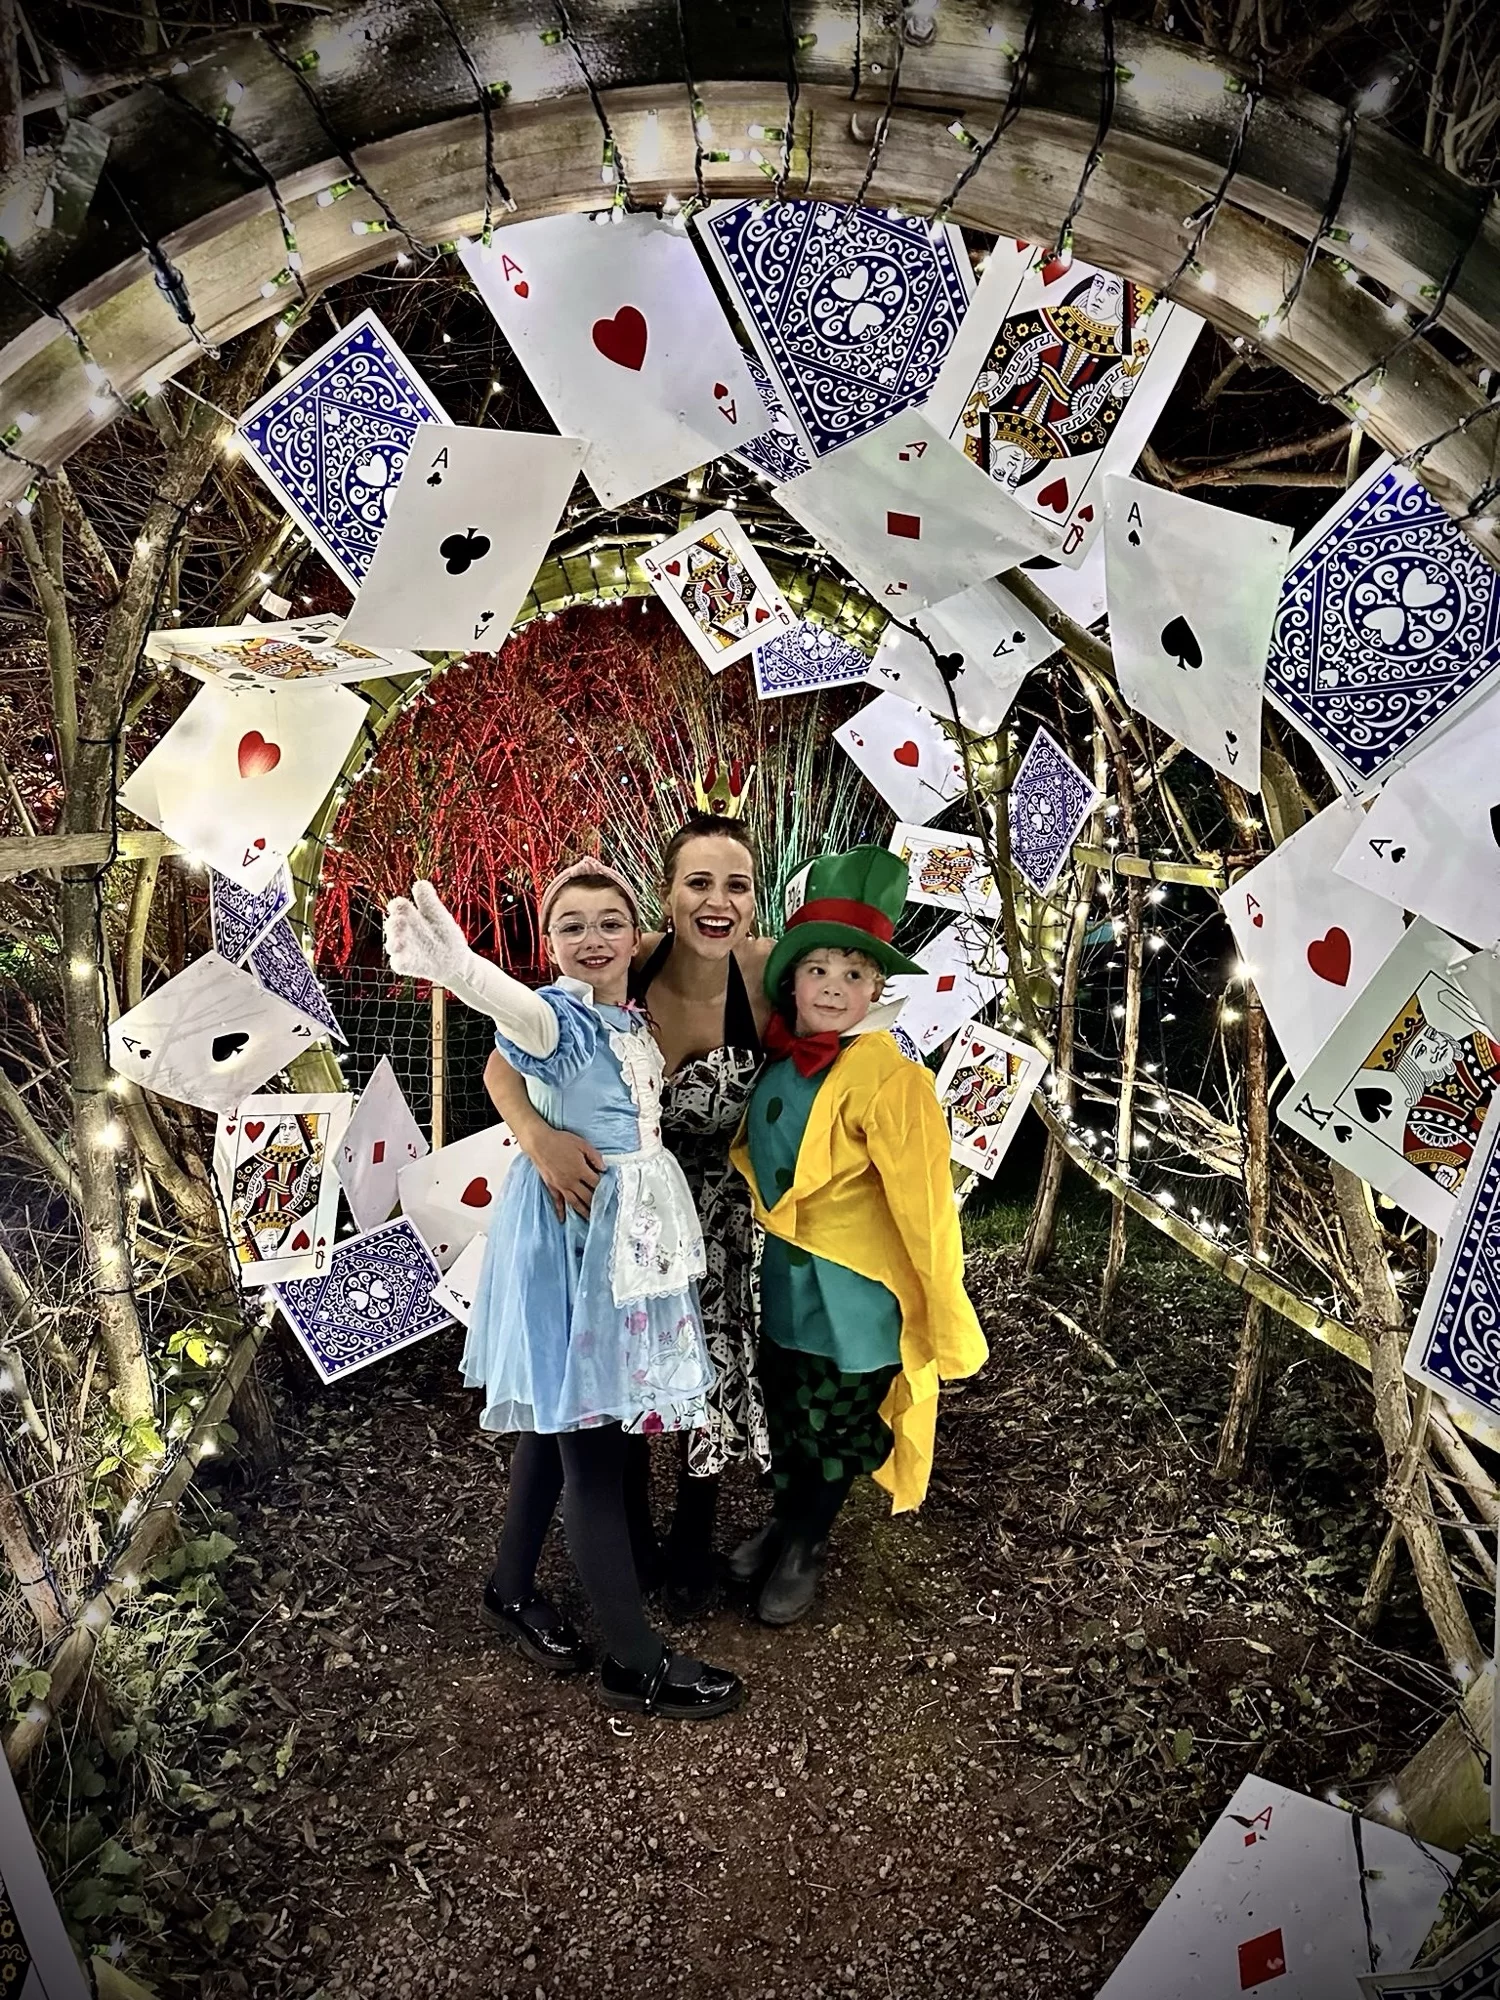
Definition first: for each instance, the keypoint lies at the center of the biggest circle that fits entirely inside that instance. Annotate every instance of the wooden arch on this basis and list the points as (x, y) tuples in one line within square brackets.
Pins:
[(901, 111)]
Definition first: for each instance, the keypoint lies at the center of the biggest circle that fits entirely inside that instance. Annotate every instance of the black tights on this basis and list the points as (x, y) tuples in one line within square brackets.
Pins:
[(686, 1556)]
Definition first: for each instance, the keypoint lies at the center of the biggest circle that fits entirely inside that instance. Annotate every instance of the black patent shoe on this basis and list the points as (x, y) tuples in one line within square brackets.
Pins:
[(554, 1647), (792, 1586), (712, 1691), (753, 1558)]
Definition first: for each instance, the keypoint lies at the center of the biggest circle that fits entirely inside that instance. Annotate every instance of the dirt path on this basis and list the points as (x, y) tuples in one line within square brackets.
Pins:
[(1011, 1716)]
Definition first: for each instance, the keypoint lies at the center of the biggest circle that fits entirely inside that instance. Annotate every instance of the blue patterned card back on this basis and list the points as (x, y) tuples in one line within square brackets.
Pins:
[(331, 440), (375, 1296), (805, 659), (853, 311), (1389, 619), (1470, 1972), (1049, 802), (778, 454), (241, 917), (280, 965)]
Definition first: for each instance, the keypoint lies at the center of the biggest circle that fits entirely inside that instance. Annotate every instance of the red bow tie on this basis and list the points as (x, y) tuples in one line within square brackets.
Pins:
[(809, 1053)]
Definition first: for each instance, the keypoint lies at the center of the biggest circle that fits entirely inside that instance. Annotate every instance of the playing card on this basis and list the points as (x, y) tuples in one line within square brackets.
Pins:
[(274, 1164), (852, 310), (331, 438), (806, 658), (1453, 1345), (1193, 591), (1078, 592), (985, 1085), (383, 1137), (715, 585), (38, 1962), (905, 756), (1057, 376), (1471, 1972), (280, 965), (983, 646), (778, 454), (1288, 1894), (965, 967), (240, 917), (456, 1289), (375, 1297), (1309, 940), (238, 776), (451, 1194), (1049, 801), (208, 1036), (908, 515), (297, 651), (1388, 628), (947, 870), (1400, 1089), (624, 341), (469, 527)]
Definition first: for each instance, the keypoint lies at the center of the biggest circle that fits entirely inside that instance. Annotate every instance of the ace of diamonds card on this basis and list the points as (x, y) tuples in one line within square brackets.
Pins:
[(273, 1161), (383, 1137), (985, 1085), (715, 585)]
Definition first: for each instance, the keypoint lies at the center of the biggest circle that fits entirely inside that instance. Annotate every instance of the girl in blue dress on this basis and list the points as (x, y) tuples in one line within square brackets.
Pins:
[(584, 1329)]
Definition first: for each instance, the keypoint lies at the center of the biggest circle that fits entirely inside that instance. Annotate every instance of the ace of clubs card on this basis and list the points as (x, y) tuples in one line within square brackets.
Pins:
[(625, 342), (715, 585), (383, 1137), (208, 1036), (905, 756), (468, 530), (274, 1161), (1193, 592), (450, 1195), (1058, 375), (971, 652), (1400, 1089), (985, 1085)]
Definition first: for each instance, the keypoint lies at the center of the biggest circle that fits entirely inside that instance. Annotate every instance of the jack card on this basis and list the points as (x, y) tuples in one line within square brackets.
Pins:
[(274, 1164), (375, 1297), (946, 870), (625, 342), (241, 917), (383, 1137), (1048, 804), (297, 651), (469, 528), (460, 1282), (985, 1085), (983, 645), (1399, 1091), (450, 1195), (712, 580), (209, 1036), (965, 971), (905, 756)]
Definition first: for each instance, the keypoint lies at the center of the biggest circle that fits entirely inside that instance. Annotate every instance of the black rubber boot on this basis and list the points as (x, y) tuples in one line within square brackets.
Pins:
[(792, 1586)]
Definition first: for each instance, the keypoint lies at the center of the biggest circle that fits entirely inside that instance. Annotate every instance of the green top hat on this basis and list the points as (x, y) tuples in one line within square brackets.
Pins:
[(850, 901)]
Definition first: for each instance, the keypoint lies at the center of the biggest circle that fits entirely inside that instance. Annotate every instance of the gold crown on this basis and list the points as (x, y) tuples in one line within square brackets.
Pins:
[(723, 792)]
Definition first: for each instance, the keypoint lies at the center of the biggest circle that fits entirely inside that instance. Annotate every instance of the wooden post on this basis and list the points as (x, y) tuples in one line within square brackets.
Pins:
[(439, 1061)]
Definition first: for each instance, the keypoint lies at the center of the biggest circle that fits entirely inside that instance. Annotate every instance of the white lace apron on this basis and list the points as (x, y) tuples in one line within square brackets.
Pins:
[(658, 1246)]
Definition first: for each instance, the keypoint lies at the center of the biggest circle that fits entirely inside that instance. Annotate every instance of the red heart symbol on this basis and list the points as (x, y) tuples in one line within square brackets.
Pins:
[(623, 338), (1330, 957), (760, 613), (1258, 919), (947, 983), (720, 392), (254, 1127), (523, 290), (976, 1048), (1054, 267), (1054, 496), (981, 1143), (302, 1241), (259, 845), (674, 568), (477, 1193), (1086, 513), (907, 754), (257, 756)]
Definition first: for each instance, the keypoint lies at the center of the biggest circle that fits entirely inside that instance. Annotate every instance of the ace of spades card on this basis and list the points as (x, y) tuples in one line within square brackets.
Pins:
[(1193, 591), (1049, 801), (806, 658), (375, 1297), (1310, 941), (1285, 1894), (383, 1137), (625, 342), (240, 917), (904, 755), (239, 774), (450, 1195), (1059, 372), (299, 651), (280, 965), (274, 1164), (982, 646), (1400, 1089), (908, 515), (946, 870), (1452, 1345), (468, 530), (461, 1281), (331, 438), (712, 580), (985, 1085), (964, 968), (209, 1036)]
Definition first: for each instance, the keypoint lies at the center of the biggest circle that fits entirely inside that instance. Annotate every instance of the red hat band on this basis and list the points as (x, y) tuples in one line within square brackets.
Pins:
[(844, 910)]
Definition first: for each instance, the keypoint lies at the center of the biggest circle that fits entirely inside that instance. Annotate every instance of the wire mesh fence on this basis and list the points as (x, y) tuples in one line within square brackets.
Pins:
[(390, 1017)]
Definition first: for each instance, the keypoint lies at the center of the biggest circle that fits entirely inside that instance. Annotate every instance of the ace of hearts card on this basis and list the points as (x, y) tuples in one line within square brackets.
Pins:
[(383, 1137), (468, 530), (1058, 375), (1400, 1089), (712, 580), (985, 1085), (905, 756), (274, 1164), (625, 342), (450, 1195), (210, 1036)]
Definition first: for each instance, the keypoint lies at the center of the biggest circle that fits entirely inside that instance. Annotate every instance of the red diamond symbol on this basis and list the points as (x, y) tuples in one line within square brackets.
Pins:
[(947, 983), (907, 526), (1262, 1958)]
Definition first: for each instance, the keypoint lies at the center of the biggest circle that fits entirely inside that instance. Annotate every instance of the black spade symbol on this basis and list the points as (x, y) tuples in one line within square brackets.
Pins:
[(1180, 640), (1343, 1133), (1018, 638), (225, 1047), (1134, 538), (950, 666), (1230, 737), (1398, 854), (1374, 1101), (1495, 824), (459, 552)]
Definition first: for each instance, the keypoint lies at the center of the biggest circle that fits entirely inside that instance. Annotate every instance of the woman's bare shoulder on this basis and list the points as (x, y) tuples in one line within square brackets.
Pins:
[(649, 942)]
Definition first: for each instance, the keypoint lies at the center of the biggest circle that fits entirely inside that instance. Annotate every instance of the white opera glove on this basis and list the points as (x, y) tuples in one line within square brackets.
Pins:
[(423, 940)]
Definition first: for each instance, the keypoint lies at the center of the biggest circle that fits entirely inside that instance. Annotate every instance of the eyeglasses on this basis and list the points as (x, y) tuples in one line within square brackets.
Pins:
[(573, 930)]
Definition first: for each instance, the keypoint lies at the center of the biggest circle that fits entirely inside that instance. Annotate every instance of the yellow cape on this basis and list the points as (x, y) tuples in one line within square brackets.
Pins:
[(873, 1192)]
